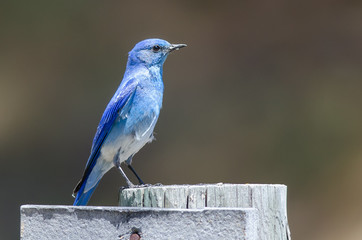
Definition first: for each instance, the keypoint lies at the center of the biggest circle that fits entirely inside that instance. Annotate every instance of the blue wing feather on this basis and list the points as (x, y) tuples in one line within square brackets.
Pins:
[(123, 97)]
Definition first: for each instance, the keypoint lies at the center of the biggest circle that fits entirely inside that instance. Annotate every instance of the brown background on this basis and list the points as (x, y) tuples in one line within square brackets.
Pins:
[(265, 92)]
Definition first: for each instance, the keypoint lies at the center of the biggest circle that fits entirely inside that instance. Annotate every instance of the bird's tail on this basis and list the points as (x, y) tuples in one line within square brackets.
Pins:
[(82, 198)]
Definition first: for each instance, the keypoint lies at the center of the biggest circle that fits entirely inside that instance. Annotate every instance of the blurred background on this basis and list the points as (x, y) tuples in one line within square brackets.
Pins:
[(265, 92)]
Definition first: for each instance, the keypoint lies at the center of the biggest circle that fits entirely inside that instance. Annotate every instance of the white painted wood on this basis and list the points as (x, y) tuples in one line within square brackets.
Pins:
[(269, 199), (133, 198), (45, 222), (176, 197), (196, 196)]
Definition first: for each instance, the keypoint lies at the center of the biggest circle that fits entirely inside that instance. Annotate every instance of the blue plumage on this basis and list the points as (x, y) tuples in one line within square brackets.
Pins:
[(127, 123)]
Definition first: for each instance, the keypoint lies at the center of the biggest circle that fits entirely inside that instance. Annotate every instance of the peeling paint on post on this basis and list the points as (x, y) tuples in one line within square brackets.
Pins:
[(269, 199), (193, 212), (74, 223)]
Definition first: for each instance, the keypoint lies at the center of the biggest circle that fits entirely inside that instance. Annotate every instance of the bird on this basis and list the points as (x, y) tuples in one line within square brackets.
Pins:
[(129, 119)]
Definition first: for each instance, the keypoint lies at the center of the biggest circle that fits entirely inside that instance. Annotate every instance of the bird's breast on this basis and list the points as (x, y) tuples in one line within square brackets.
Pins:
[(132, 131)]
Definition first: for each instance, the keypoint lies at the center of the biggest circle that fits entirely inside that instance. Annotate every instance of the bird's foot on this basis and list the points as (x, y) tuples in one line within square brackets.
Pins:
[(141, 185), (129, 186), (147, 185)]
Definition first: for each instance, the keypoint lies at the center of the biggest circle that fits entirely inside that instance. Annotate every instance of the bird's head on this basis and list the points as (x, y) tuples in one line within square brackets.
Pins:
[(152, 52)]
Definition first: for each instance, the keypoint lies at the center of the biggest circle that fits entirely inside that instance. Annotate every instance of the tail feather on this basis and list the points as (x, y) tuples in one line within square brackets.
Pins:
[(82, 197)]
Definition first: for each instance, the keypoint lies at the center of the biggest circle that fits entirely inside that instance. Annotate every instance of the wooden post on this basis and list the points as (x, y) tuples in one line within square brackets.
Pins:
[(269, 200), (56, 222)]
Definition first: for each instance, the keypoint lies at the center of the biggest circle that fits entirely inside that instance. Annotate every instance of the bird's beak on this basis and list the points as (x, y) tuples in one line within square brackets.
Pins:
[(176, 47)]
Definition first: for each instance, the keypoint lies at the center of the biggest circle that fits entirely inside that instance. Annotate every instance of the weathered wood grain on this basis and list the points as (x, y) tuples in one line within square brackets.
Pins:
[(269, 199)]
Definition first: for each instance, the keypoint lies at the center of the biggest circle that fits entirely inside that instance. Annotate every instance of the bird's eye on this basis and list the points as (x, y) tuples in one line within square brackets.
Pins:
[(156, 48)]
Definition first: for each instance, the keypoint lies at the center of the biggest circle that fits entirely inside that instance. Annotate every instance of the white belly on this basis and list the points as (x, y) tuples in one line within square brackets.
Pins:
[(119, 147), (124, 141)]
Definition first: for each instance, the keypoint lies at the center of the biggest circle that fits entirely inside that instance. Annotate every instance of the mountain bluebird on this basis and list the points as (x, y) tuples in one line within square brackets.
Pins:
[(127, 123)]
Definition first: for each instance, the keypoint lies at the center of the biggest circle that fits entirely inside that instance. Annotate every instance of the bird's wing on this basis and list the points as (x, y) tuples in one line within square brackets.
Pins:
[(120, 104)]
